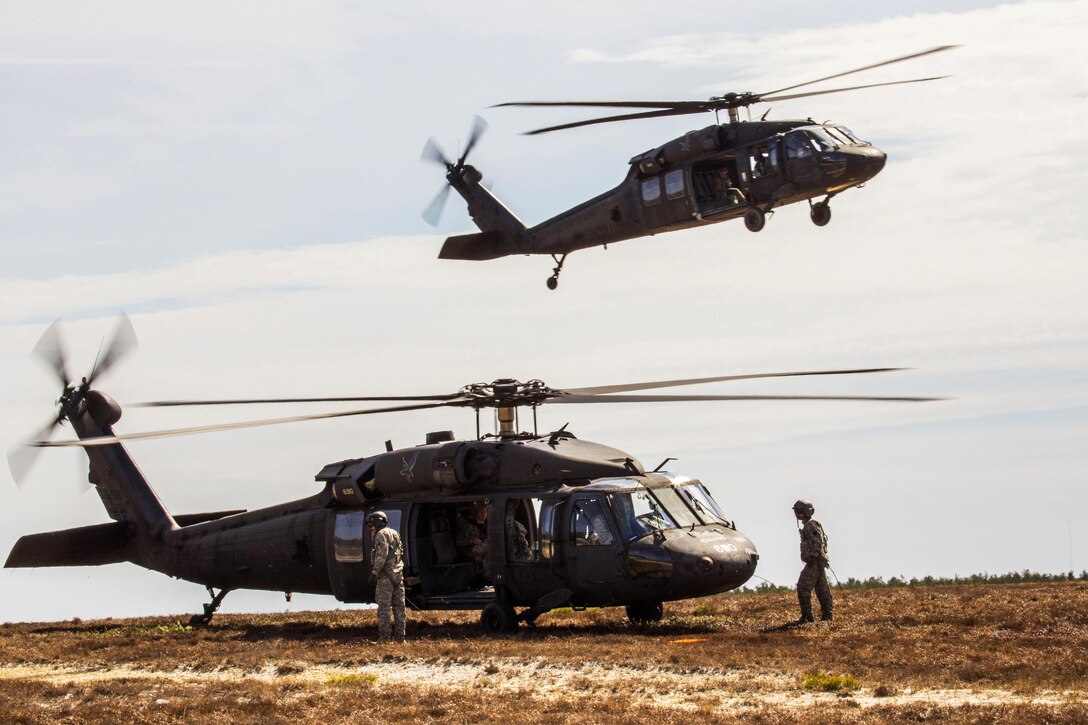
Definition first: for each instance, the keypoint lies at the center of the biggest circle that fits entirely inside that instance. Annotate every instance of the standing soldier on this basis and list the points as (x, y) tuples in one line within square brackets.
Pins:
[(386, 575), (814, 554)]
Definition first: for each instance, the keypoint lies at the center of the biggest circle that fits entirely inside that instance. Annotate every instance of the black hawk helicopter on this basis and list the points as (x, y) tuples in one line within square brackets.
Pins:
[(568, 522), (724, 171)]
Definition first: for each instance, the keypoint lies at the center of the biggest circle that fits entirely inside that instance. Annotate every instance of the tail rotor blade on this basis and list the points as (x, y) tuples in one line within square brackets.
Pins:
[(434, 153), (479, 125), (123, 342), (21, 458), (50, 349), (433, 212)]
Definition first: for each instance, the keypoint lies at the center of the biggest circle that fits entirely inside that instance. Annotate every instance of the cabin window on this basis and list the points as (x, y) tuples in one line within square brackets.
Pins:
[(547, 528), (348, 536), (674, 184), (651, 190), (639, 513), (589, 524), (704, 504)]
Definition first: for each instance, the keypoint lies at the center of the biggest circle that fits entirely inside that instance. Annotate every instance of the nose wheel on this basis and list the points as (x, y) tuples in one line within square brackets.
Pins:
[(553, 281)]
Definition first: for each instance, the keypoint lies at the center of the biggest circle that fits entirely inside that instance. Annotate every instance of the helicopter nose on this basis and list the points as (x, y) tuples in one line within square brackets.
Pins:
[(707, 562), (867, 162)]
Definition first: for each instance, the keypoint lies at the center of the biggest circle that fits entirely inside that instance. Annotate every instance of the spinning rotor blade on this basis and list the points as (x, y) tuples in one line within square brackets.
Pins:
[(110, 440), (699, 381), (479, 125), (850, 88), (123, 342), (623, 117), (250, 401), (676, 398), (21, 458), (50, 349), (433, 152), (434, 210), (858, 70), (717, 103)]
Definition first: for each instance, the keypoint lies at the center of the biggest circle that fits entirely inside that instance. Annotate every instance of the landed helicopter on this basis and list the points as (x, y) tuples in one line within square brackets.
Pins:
[(724, 171), (566, 522)]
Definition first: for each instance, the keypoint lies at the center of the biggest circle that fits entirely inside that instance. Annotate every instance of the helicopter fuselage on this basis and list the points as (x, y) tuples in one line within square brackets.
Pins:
[(569, 523), (721, 172)]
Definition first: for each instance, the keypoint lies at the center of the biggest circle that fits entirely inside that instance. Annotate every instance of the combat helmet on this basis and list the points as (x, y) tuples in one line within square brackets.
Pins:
[(378, 520), (804, 507)]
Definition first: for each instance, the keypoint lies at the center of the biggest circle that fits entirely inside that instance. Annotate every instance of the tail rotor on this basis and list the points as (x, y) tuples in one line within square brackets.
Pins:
[(51, 350), (433, 153)]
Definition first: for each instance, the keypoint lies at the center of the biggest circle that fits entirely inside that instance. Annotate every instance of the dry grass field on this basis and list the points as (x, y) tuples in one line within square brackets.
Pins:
[(1014, 653)]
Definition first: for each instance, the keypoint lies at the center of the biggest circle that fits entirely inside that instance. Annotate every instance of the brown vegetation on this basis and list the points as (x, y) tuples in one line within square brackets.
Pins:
[(957, 654)]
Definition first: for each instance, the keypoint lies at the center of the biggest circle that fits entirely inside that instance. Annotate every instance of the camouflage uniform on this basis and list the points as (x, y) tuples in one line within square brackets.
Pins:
[(813, 576), (472, 543), (387, 554)]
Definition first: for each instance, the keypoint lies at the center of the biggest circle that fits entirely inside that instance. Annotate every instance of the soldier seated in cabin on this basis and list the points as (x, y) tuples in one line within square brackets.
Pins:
[(725, 190), (472, 541)]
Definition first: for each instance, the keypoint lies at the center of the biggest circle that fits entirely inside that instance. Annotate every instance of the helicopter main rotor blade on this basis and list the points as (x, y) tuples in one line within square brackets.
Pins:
[(683, 111), (598, 390), (900, 59), (691, 398), (607, 104), (123, 342), (50, 349), (769, 99), (434, 210), (173, 432), (252, 401)]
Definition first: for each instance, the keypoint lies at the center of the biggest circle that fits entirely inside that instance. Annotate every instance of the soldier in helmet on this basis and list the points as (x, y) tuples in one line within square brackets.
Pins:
[(814, 554), (386, 574)]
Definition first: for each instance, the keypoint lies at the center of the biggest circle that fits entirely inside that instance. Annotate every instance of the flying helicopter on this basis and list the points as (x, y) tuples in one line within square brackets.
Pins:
[(724, 171), (569, 522)]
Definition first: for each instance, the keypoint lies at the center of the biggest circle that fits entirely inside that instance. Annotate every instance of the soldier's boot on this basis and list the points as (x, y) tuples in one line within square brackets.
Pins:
[(826, 617), (806, 608)]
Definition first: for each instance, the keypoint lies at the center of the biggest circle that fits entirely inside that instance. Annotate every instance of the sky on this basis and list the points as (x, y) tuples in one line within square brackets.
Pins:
[(243, 180)]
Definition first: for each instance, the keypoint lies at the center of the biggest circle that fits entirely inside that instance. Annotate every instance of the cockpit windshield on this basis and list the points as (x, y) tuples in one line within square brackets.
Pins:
[(639, 514), (705, 506)]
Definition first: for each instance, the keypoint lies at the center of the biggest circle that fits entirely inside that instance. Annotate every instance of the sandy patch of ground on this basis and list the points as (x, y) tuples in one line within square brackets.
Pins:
[(721, 690)]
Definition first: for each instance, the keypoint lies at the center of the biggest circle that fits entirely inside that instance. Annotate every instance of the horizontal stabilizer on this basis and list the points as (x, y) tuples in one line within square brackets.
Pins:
[(190, 519), (85, 546), (478, 247)]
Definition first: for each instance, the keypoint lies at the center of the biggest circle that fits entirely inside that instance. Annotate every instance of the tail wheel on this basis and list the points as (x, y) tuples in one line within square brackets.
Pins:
[(498, 617), (645, 613), (754, 219)]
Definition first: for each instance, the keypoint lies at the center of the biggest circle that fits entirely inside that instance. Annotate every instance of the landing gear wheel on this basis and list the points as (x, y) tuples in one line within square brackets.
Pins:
[(553, 281), (754, 219), (645, 613), (820, 213), (498, 617)]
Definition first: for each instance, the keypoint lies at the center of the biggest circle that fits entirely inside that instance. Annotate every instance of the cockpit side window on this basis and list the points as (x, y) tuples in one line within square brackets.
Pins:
[(589, 524), (799, 146), (639, 514), (763, 160)]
